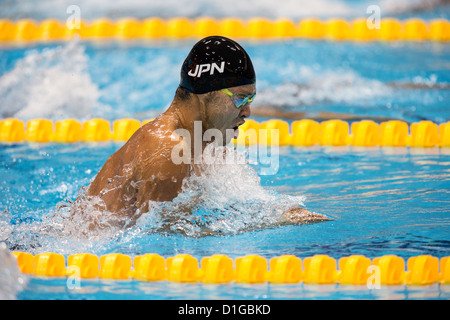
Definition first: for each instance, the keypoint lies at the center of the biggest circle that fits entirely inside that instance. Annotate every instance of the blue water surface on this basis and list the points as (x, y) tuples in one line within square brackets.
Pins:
[(383, 200)]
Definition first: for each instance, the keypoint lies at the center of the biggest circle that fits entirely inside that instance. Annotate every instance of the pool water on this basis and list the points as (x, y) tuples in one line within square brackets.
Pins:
[(398, 80), (40, 288), (383, 200)]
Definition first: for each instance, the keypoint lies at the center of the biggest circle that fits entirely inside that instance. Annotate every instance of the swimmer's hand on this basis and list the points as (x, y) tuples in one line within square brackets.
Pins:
[(299, 215)]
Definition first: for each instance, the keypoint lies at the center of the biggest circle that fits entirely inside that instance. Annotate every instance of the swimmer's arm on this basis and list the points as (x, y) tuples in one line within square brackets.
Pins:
[(299, 215)]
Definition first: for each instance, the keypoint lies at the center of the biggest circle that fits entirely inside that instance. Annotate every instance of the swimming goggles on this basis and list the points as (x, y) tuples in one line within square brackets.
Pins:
[(238, 99)]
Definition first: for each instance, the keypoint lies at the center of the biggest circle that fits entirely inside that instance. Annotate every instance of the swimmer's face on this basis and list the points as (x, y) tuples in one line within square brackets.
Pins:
[(221, 113)]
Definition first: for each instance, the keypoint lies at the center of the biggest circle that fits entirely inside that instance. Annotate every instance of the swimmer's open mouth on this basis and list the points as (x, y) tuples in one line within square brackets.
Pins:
[(236, 130)]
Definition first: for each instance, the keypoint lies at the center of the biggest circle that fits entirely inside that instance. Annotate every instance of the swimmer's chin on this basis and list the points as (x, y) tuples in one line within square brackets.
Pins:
[(299, 215)]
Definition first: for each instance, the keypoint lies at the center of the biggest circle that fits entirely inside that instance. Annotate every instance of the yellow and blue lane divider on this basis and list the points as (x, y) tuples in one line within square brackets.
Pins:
[(413, 29), (251, 269), (305, 132)]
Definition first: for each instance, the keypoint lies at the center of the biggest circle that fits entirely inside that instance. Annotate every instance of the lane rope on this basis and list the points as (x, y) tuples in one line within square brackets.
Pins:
[(360, 29), (219, 268), (306, 132)]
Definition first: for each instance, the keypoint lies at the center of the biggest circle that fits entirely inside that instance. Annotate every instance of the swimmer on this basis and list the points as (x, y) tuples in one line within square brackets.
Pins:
[(216, 88)]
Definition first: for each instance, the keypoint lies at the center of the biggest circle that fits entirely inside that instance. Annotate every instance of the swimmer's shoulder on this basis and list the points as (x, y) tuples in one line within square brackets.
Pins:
[(161, 176), (158, 130), (153, 142)]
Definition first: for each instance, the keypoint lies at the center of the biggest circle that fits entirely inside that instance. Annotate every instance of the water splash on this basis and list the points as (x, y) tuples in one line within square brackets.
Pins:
[(12, 281), (336, 86), (227, 198), (53, 83)]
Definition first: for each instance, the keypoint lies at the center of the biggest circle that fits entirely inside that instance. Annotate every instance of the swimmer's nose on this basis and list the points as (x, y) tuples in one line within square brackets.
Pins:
[(245, 111)]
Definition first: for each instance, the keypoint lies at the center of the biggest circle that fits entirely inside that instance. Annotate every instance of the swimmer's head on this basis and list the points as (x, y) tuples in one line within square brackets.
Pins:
[(220, 73), (216, 63)]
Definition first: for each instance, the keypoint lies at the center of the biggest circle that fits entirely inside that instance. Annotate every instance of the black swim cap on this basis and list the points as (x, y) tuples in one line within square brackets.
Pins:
[(216, 63)]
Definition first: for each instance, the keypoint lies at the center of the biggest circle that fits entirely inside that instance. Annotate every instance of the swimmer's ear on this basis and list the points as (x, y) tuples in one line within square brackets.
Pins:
[(299, 215)]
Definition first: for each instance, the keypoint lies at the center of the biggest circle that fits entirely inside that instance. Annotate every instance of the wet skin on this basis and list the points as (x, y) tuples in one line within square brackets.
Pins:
[(142, 170)]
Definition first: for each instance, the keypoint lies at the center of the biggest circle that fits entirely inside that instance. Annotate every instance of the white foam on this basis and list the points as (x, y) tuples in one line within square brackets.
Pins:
[(12, 281), (337, 86), (53, 84), (227, 198)]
